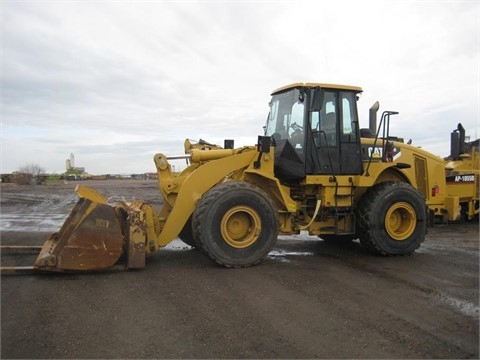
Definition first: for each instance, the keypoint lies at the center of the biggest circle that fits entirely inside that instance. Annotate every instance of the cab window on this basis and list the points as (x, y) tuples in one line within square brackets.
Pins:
[(349, 117)]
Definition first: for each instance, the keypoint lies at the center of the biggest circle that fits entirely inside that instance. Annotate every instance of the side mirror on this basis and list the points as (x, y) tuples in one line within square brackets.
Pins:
[(264, 143), (317, 99)]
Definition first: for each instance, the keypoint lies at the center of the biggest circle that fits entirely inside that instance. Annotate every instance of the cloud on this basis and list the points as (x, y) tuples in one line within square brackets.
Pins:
[(116, 82)]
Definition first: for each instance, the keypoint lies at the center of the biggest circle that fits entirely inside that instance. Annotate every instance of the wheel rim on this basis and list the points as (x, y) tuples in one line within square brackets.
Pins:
[(400, 221), (240, 226)]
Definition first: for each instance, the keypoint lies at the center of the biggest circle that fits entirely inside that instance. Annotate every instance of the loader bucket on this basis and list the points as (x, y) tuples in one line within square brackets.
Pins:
[(90, 239)]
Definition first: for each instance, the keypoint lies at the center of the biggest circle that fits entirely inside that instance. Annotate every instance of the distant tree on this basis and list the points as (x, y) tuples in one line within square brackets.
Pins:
[(29, 174)]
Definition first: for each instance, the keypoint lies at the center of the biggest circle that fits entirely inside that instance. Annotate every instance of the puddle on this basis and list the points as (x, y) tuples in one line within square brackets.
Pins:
[(465, 307), (32, 222), (177, 245), (282, 255), (35, 212)]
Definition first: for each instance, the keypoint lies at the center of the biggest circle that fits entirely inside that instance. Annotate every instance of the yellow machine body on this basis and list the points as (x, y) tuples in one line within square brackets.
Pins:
[(462, 176), (231, 203)]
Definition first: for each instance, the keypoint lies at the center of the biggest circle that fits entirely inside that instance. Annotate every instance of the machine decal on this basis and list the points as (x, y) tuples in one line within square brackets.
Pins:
[(377, 152), (461, 179)]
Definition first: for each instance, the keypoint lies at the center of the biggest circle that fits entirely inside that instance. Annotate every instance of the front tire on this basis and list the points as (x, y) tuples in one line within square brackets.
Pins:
[(236, 224), (392, 219)]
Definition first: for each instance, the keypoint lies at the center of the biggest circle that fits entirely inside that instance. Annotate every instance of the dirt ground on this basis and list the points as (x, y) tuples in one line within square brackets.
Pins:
[(308, 299)]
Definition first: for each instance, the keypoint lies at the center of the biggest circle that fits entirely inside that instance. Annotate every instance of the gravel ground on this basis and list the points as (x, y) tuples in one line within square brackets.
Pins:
[(308, 299)]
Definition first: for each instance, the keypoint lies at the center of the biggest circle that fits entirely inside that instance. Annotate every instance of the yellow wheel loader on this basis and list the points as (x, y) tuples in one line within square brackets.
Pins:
[(462, 175), (314, 169)]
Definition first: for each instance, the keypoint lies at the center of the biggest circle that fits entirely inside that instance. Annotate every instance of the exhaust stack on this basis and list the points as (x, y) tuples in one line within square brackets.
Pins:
[(457, 142), (372, 117)]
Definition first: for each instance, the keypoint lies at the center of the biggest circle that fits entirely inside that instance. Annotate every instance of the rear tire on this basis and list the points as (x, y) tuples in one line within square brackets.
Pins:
[(392, 219), (235, 224), (186, 235)]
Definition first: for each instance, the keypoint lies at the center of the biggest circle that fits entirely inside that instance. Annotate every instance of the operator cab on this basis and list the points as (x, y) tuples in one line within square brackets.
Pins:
[(314, 128)]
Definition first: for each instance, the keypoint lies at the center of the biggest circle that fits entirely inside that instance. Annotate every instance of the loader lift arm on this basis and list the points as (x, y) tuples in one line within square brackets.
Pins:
[(193, 187)]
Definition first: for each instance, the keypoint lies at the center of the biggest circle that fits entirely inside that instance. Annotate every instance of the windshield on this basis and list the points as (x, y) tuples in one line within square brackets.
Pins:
[(285, 120)]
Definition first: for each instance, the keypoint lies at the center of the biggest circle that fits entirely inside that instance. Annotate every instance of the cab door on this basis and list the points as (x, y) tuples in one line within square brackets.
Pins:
[(349, 135), (335, 135)]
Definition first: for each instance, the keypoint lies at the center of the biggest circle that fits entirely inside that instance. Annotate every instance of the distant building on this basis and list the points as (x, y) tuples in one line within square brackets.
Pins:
[(70, 163), (71, 170), (151, 176)]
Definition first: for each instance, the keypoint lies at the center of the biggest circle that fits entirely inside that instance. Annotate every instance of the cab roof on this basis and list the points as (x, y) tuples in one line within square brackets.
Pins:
[(322, 85)]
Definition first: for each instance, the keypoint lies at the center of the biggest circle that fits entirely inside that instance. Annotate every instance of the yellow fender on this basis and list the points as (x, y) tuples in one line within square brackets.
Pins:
[(195, 185)]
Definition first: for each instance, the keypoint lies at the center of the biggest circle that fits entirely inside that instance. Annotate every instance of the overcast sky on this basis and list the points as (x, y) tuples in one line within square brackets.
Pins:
[(115, 82)]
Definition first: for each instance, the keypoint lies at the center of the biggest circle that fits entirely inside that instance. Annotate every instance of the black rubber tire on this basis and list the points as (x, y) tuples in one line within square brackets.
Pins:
[(235, 224), (186, 235), (392, 219)]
